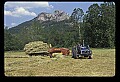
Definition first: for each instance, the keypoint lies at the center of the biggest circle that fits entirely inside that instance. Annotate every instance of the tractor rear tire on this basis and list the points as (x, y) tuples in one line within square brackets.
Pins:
[(76, 56)]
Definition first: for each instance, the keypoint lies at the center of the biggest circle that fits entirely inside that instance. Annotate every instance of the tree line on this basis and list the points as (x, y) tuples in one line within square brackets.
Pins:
[(96, 27)]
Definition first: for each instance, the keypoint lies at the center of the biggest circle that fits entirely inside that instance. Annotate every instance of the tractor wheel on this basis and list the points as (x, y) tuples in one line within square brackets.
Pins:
[(76, 56), (89, 57), (72, 56)]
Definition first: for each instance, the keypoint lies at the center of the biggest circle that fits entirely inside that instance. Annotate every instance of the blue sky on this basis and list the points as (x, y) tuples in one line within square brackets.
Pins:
[(18, 12)]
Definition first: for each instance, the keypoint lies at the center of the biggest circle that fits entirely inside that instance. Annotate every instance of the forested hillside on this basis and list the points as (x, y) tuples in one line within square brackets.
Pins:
[(96, 27)]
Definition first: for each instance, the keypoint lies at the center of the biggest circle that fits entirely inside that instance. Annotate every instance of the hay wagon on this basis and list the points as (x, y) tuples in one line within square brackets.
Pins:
[(41, 48)]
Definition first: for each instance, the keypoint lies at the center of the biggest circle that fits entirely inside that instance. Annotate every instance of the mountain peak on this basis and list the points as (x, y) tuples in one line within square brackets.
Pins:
[(57, 15)]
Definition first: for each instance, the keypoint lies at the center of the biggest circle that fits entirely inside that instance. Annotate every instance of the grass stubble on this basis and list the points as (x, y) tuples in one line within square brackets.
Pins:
[(20, 64)]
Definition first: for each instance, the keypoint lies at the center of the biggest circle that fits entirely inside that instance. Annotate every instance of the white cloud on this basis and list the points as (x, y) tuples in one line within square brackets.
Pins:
[(50, 7), (19, 8), (13, 24), (27, 4), (7, 13), (18, 12), (22, 11)]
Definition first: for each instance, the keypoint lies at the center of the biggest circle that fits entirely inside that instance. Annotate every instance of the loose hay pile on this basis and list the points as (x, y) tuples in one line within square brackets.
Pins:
[(36, 47), (58, 55)]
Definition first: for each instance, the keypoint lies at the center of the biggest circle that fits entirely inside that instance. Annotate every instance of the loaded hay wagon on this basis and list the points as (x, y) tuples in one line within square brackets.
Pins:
[(36, 48), (41, 48)]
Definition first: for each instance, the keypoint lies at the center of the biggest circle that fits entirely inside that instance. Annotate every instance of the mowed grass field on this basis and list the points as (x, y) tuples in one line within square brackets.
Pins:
[(20, 64)]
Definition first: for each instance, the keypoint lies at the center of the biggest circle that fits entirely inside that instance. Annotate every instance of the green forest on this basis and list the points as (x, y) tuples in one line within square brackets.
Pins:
[(96, 27)]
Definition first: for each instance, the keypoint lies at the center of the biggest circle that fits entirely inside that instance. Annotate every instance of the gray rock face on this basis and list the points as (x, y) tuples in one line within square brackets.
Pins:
[(56, 16)]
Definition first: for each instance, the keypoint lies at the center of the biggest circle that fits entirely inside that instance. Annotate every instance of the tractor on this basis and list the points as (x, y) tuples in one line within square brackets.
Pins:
[(81, 51)]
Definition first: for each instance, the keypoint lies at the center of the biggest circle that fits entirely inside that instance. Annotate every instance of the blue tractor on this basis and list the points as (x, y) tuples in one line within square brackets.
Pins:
[(81, 51)]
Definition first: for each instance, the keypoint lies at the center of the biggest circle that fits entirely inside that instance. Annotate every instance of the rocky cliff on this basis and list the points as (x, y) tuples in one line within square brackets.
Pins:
[(57, 15)]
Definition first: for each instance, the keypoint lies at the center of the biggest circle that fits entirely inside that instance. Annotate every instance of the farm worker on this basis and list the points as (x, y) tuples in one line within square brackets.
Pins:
[(78, 48), (74, 51)]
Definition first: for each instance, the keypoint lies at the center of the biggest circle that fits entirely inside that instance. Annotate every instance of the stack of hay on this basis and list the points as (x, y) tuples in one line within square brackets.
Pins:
[(36, 47)]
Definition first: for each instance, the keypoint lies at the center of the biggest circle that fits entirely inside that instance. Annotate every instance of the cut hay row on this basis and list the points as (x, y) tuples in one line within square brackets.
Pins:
[(15, 57)]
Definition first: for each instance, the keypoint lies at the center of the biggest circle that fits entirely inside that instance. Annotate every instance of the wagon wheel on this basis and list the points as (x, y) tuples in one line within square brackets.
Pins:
[(50, 54), (30, 55)]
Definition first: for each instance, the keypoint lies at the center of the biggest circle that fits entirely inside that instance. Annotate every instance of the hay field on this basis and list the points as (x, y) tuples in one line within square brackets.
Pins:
[(20, 64)]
